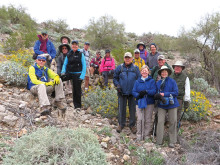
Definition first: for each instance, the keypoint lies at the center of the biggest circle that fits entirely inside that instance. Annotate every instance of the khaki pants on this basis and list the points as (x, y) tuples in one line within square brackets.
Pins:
[(172, 117), (144, 121), (41, 91)]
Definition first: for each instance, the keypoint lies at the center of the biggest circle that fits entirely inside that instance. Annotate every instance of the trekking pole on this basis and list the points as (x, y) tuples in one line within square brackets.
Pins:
[(155, 125), (179, 123)]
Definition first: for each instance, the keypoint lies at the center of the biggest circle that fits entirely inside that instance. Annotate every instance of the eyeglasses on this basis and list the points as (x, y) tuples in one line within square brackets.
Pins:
[(44, 34), (64, 48), (41, 60)]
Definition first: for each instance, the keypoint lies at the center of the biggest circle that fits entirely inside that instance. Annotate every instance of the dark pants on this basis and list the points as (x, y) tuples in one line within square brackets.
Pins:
[(76, 90), (106, 75), (122, 105)]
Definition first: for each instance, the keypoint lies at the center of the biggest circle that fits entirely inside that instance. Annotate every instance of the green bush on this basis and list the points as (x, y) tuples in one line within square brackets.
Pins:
[(51, 145), (200, 84), (59, 26), (152, 158), (102, 101), (6, 30)]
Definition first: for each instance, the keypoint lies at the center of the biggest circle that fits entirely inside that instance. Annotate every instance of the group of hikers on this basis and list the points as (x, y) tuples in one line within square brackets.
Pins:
[(145, 82)]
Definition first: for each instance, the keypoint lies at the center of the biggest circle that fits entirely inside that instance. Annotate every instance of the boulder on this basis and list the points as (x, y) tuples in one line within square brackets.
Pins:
[(10, 120)]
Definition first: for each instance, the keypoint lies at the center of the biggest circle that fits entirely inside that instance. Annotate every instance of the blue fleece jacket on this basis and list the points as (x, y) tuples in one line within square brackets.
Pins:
[(149, 85), (83, 72), (50, 48), (125, 77), (170, 88)]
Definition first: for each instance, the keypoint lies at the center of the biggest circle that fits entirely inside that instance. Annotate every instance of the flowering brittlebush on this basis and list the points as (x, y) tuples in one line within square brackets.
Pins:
[(199, 107)]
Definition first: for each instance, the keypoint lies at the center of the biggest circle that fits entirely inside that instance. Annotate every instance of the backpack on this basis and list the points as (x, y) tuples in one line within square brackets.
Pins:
[(107, 60)]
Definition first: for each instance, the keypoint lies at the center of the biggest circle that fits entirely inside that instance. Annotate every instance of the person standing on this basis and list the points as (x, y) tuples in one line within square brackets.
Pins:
[(63, 40), (153, 56), (107, 66), (143, 52), (168, 90), (74, 67), (144, 88), (44, 46), (86, 53), (183, 86), (139, 62), (124, 78), (39, 84)]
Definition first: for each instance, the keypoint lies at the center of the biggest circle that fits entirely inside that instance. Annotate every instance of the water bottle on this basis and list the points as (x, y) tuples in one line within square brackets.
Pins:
[(171, 99)]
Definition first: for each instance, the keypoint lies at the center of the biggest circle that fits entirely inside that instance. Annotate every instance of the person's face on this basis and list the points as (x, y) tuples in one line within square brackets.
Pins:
[(44, 36), (128, 60), (86, 46), (145, 73), (136, 55), (65, 41), (161, 62), (98, 55), (75, 47), (107, 54), (64, 50), (164, 74), (40, 62), (153, 48), (178, 69), (141, 47)]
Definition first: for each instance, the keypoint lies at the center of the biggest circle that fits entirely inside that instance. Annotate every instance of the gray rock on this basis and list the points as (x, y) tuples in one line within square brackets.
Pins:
[(110, 156), (2, 115), (104, 145), (10, 120), (126, 157), (127, 152), (2, 108), (113, 140)]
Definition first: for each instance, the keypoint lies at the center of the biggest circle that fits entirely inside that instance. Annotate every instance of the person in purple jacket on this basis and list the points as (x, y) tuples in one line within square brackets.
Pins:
[(144, 88), (168, 90), (143, 52)]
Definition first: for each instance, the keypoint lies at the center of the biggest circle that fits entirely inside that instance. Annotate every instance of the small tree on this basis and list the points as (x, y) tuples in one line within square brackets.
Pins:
[(105, 33)]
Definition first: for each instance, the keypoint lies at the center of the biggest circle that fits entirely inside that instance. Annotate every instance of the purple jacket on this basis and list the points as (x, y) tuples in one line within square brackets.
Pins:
[(144, 54)]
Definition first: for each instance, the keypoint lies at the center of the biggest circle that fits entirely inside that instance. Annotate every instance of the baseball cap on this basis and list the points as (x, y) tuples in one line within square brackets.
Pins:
[(87, 43), (107, 51), (75, 41), (128, 54), (161, 57), (136, 51)]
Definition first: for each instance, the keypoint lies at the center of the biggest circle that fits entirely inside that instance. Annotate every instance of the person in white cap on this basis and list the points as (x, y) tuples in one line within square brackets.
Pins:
[(183, 86), (39, 84), (161, 62), (125, 76), (138, 61)]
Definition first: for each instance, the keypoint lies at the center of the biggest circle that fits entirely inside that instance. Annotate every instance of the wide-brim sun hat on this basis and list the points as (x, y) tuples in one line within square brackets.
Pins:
[(141, 43), (66, 38), (178, 63), (60, 47), (164, 68)]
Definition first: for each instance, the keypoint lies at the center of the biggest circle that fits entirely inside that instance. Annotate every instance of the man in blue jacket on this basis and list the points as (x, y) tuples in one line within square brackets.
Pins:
[(44, 46), (74, 67), (125, 76)]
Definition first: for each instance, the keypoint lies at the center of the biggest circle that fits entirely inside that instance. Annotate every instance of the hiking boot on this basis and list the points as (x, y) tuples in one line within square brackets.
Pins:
[(78, 110), (133, 129), (45, 110), (119, 129), (171, 145), (60, 104)]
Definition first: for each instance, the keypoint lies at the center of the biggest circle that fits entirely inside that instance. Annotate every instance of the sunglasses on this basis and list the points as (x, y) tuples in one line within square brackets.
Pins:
[(44, 34), (64, 48), (41, 60)]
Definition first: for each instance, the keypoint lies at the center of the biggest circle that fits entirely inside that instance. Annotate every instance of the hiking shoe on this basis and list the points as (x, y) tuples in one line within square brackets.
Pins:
[(60, 105), (78, 110), (45, 110), (119, 129), (171, 145), (133, 130)]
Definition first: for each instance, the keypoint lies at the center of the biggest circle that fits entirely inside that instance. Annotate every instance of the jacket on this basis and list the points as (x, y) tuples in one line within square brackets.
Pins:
[(83, 61), (107, 64), (149, 85), (125, 77), (152, 60), (50, 48), (170, 88), (143, 55), (37, 75), (60, 61), (154, 71), (96, 62), (138, 62)]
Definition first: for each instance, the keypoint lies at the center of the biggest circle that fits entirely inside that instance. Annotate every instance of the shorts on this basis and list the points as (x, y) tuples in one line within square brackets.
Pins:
[(87, 72)]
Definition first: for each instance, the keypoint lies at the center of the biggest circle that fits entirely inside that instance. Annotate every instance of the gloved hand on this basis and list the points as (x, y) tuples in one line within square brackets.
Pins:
[(57, 80), (62, 74), (142, 93), (186, 104), (158, 96), (50, 83), (119, 89)]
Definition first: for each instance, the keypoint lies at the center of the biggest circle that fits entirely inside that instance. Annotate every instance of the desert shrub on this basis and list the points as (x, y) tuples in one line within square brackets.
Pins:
[(200, 84), (152, 158), (51, 145), (15, 70), (170, 56), (6, 30), (199, 107), (102, 101), (212, 92), (118, 54), (59, 26)]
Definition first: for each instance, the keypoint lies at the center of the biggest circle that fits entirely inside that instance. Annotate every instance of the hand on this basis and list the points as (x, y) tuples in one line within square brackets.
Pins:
[(142, 93), (96, 66), (50, 83), (186, 104), (162, 94), (57, 80)]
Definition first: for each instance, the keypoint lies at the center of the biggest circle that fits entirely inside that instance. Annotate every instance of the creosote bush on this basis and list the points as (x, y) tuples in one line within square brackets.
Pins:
[(102, 101), (51, 145)]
